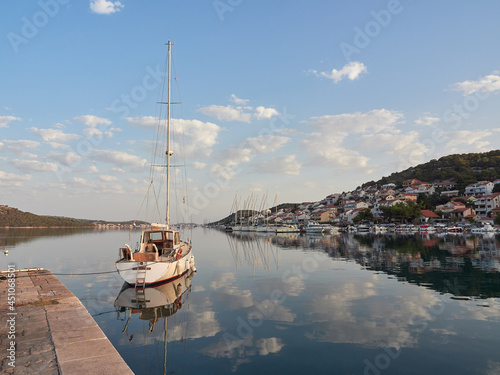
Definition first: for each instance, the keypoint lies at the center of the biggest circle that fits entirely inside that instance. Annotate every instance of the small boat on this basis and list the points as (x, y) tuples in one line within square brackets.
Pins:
[(486, 228), (160, 256), (313, 227), (287, 229)]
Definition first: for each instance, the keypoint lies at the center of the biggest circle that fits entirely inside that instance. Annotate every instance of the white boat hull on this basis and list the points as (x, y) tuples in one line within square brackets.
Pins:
[(157, 272)]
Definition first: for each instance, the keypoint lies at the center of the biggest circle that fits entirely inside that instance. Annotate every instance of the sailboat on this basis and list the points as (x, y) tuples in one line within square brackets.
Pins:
[(160, 256)]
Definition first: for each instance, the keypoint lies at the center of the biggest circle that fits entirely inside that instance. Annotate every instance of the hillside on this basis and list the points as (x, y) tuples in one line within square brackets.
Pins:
[(12, 217), (464, 169)]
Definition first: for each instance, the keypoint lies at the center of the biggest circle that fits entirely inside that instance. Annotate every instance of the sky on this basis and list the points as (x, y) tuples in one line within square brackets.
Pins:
[(293, 100)]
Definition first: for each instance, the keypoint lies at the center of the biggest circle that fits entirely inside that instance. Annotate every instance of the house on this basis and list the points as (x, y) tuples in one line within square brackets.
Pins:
[(411, 182), (423, 188), (463, 213), (444, 185), (428, 216), (450, 206), (479, 188), (407, 197), (323, 216), (486, 204), (377, 210), (352, 205), (450, 193), (348, 215), (388, 186), (331, 199)]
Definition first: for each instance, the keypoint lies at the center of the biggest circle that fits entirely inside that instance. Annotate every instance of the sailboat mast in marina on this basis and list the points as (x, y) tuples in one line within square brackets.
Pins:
[(160, 256)]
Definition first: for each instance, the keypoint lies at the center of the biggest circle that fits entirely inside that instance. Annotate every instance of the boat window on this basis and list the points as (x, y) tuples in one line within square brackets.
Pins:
[(156, 236)]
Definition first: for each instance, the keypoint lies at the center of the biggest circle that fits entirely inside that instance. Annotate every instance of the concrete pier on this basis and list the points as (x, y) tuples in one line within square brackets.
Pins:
[(49, 331)]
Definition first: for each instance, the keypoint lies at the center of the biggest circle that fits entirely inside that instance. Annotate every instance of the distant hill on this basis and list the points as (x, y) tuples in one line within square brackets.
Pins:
[(12, 217), (247, 213), (464, 169)]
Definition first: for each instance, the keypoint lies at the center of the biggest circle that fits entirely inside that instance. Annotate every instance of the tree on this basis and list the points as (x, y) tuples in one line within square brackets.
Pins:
[(496, 188), (363, 216), (497, 219)]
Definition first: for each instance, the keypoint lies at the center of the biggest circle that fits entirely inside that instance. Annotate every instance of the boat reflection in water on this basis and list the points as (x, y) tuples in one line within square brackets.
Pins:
[(152, 305)]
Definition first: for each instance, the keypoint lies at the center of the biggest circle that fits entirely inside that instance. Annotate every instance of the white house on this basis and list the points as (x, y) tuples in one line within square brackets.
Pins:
[(479, 188), (487, 203)]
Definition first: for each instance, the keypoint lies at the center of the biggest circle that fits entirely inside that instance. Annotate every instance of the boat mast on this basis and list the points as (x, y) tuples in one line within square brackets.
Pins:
[(167, 219)]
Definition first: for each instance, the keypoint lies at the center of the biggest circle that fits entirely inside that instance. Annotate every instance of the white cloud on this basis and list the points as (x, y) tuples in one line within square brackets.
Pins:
[(19, 146), (57, 145), (142, 122), (234, 156), (93, 169), (107, 178), (427, 120), (265, 143), (119, 158), (265, 113), (351, 71), (13, 180), (198, 165), (286, 164), (239, 101), (226, 113), (487, 83), (34, 165), (194, 136), (67, 159), (97, 127), (376, 120), (404, 150), (199, 139), (54, 135), (80, 181), (105, 6), (472, 138), (5, 120), (328, 151)]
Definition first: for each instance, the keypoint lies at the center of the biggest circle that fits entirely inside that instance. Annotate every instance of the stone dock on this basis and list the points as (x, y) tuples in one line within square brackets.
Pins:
[(45, 329)]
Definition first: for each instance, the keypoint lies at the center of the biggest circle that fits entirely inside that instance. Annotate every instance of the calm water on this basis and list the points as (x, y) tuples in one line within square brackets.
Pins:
[(344, 304)]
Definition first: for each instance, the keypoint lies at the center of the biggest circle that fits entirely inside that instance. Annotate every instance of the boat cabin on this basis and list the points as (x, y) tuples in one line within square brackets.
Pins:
[(159, 240)]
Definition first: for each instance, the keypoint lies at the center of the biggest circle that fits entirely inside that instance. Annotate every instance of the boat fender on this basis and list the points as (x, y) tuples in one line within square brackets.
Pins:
[(179, 254), (179, 268), (179, 303)]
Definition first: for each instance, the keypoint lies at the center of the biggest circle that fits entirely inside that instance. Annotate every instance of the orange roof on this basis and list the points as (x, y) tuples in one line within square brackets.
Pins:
[(428, 213)]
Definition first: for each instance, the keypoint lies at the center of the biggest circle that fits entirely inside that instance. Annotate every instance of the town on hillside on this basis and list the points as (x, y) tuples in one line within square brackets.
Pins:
[(412, 202)]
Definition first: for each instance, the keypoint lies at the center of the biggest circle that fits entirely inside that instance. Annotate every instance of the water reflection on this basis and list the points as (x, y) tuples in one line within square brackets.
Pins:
[(12, 237), (464, 265), (152, 305)]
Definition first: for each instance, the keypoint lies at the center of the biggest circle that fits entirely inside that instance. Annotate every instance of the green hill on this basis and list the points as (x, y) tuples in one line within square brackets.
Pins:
[(12, 217), (464, 169)]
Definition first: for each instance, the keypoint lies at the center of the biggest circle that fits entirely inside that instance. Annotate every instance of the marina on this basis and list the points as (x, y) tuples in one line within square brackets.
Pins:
[(342, 300)]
